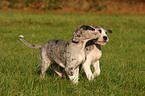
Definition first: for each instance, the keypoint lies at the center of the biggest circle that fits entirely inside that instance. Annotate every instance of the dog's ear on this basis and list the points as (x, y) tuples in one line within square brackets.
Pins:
[(79, 30), (76, 35), (108, 30)]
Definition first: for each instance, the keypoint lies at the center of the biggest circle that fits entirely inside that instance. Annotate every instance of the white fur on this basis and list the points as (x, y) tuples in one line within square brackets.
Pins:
[(92, 58)]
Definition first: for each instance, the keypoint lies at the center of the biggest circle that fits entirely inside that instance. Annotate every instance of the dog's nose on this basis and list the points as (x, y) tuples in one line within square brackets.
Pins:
[(105, 37)]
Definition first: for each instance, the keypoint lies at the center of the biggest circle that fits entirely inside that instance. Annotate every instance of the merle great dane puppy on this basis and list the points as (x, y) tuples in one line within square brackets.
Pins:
[(67, 54)]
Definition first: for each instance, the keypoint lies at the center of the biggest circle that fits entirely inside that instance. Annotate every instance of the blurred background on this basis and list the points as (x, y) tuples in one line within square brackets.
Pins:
[(79, 6)]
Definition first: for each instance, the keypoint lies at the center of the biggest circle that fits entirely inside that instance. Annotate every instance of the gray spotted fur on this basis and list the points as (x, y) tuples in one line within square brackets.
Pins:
[(67, 54)]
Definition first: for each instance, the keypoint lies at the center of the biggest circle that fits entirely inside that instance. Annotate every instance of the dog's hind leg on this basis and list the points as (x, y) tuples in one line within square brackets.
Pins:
[(44, 67), (56, 68), (44, 62)]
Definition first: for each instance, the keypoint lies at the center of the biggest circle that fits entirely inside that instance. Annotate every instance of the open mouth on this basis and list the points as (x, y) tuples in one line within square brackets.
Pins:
[(101, 42)]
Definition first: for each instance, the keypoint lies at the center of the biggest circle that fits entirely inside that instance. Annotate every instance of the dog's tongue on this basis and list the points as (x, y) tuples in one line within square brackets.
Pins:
[(101, 43)]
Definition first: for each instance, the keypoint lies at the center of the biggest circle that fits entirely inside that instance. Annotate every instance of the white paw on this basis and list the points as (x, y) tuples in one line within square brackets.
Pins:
[(74, 79)]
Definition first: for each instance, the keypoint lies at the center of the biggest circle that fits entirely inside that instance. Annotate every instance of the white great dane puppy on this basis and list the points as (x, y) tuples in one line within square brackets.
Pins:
[(94, 53)]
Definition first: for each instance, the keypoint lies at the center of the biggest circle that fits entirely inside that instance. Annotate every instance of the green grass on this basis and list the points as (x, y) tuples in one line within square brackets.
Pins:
[(122, 63)]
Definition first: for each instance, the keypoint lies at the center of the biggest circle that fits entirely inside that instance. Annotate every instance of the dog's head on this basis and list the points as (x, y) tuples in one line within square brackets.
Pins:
[(85, 32), (103, 39)]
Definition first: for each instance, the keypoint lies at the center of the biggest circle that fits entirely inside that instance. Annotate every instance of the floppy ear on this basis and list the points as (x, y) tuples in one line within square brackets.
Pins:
[(76, 35), (108, 30), (79, 30)]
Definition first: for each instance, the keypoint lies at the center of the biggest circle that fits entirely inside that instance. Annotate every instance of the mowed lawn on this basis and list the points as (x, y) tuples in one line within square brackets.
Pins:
[(122, 63)]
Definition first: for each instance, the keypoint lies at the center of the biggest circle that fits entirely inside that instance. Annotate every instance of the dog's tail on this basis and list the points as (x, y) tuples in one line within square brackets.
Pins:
[(28, 44)]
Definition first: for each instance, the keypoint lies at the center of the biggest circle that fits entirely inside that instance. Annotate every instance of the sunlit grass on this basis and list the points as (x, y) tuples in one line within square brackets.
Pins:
[(122, 63)]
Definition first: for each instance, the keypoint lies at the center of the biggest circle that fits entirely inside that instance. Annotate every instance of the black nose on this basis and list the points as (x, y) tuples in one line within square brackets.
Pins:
[(105, 37)]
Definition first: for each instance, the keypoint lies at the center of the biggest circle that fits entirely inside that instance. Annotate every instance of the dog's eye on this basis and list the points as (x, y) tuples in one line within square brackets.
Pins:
[(100, 31)]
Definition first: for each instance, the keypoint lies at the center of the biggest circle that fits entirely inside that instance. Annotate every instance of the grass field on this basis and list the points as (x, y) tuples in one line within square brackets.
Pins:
[(122, 63)]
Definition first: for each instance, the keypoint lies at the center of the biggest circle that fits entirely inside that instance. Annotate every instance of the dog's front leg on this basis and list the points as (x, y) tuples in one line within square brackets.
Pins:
[(86, 67), (73, 74), (97, 69)]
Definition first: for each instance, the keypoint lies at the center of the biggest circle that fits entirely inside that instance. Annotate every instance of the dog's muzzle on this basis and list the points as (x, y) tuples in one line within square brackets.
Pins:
[(103, 42)]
